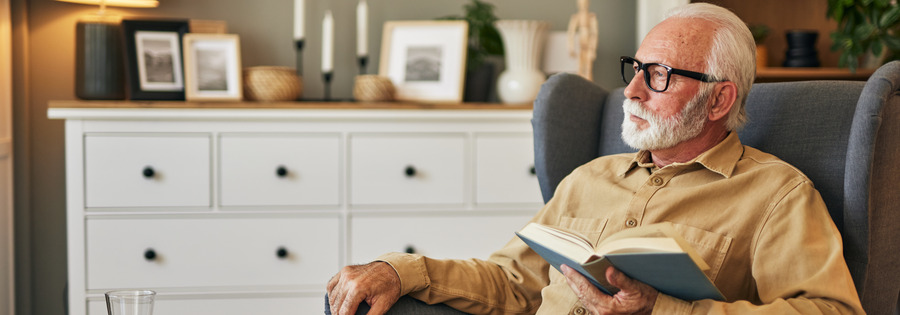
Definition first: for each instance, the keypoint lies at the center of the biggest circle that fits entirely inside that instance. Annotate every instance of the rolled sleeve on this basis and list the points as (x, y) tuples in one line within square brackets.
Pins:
[(410, 268), (666, 304)]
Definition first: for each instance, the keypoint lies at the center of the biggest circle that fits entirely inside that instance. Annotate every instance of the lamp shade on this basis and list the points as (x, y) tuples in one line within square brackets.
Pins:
[(119, 3)]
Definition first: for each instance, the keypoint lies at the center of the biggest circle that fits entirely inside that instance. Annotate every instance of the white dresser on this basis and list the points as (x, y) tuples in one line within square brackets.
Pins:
[(239, 209)]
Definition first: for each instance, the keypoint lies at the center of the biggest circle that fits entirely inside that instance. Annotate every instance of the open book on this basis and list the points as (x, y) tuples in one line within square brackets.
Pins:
[(653, 254)]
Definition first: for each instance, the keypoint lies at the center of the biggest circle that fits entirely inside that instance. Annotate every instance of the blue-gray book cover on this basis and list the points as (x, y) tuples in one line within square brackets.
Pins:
[(674, 274)]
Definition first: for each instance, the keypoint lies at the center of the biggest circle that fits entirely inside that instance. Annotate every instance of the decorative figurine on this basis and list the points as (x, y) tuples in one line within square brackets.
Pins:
[(583, 28)]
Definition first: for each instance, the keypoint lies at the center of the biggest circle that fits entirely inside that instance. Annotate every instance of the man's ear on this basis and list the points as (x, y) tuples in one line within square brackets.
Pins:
[(723, 98)]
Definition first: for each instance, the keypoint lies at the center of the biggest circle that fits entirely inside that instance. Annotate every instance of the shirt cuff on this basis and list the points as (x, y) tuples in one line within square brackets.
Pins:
[(666, 304), (410, 268)]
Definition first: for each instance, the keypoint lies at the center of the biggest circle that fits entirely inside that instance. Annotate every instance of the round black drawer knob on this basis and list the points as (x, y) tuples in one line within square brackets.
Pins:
[(148, 172), (410, 249), (281, 171), (282, 253), (150, 254), (410, 171), (532, 170)]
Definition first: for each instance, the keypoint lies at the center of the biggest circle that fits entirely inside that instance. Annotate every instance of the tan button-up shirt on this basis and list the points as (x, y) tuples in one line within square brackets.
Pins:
[(758, 222)]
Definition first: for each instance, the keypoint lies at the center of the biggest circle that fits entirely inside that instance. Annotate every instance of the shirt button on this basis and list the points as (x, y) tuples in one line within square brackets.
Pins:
[(631, 223), (656, 181), (580, 311)]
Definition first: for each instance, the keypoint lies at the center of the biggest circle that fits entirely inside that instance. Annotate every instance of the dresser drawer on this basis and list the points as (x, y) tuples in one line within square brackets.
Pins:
[(259, 169), (444, 236), (228, 305), (407, 169), (504, 166), (147, 170), (203, 252)]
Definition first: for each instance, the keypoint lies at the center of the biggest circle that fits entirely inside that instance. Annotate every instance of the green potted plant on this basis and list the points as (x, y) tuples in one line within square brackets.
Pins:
[(865, 28), (760, 32), (484, 42)]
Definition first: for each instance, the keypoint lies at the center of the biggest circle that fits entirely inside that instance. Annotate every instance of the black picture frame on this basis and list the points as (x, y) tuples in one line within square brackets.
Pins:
[(154, 58)]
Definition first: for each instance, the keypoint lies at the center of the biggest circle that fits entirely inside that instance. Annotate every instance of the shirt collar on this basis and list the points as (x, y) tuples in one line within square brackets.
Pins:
[(722, 158)]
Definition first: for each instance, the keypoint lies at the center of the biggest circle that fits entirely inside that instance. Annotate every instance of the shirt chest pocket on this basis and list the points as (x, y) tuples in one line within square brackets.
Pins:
[(591, 228), (712, 247)]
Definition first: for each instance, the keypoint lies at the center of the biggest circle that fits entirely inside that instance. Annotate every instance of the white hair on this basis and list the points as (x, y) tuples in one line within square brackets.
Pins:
[(733, 53)]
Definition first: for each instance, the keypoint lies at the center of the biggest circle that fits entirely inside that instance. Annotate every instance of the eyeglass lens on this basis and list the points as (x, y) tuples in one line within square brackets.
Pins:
[(656, 77)]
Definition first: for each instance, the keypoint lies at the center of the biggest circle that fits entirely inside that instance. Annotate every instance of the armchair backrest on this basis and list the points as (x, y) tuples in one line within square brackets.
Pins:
[(844, 135)]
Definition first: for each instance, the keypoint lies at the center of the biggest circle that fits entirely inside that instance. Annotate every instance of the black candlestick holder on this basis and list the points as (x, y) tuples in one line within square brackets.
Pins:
[(363, 61), (326, 78), (299, 45)]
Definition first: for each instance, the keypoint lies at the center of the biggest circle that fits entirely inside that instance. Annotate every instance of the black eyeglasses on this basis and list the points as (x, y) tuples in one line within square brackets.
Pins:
[(656, 75)]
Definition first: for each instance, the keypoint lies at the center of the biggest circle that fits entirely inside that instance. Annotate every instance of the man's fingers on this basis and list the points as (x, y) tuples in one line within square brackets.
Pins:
[(378, 308), (332, 282), (336, 299), (620, 280), (584, 289), (354, 284), (338, 296), (350, 304)]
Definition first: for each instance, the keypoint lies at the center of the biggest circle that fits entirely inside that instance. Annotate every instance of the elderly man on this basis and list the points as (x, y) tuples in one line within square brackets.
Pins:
[(758, 222)]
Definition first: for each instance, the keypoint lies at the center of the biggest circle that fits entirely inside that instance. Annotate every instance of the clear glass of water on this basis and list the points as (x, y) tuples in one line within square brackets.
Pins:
[(130, 302)]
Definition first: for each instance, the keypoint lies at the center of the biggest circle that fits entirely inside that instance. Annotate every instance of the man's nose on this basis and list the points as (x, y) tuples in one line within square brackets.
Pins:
[(637, 89)]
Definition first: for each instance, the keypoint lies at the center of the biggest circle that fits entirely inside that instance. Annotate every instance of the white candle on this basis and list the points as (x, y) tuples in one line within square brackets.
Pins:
[(362, 20), (299, 11), (327, 42)]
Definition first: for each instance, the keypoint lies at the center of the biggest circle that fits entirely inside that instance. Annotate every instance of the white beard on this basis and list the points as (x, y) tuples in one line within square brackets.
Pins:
[(664, 133)]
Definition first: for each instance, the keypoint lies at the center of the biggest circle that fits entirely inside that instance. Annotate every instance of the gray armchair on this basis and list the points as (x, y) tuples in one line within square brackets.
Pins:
[(844, 135)]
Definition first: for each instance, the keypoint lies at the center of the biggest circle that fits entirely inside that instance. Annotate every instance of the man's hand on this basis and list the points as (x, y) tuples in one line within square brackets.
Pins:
[(376, 283), (634, 297)]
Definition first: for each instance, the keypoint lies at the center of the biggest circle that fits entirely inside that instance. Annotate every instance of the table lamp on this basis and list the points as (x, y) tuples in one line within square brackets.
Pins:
[(99, 68)]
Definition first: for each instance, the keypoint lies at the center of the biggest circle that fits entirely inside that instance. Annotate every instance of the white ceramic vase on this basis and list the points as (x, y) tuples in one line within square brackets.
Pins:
[(523, 41)]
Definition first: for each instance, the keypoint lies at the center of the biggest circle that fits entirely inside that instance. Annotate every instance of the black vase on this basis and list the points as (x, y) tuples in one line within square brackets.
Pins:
[(478, 83), (801, 50), (99, 73)]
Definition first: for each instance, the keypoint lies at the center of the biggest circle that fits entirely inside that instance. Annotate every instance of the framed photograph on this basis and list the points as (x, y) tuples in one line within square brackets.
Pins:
[(153, 53), (212, 64), (425, 60)]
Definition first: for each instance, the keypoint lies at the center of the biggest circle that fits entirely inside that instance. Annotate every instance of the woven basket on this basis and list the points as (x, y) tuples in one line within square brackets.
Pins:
[(271, 84), (373, 88)]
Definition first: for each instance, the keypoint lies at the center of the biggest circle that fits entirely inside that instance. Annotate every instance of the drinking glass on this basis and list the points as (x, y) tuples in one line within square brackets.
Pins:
[(130, 302)]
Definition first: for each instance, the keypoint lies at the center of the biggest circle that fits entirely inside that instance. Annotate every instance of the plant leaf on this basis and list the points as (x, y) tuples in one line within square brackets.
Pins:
[(491, 41), (838, 13), (889, 18), (892, 43), (864, 31), (876, 48)]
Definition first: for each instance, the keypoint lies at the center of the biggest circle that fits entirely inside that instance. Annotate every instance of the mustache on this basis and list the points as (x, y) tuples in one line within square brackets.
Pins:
[(635, 108)]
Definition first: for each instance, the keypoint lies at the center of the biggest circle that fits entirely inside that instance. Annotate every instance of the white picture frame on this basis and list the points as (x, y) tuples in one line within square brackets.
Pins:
[(425, 60), (212, 65)]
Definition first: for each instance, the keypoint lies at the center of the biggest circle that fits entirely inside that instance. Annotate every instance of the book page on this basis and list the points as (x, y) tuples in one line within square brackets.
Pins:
[(640, 245), (657, 230), (567, 243)]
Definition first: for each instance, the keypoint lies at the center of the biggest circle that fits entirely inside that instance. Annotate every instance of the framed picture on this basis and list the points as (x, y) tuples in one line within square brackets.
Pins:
[(153, 53), (425, 60), (212, 64)]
